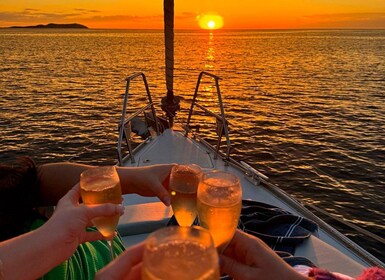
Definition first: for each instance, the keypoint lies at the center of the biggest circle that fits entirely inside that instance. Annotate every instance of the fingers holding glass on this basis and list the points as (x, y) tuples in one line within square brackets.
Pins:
[(101, 185)]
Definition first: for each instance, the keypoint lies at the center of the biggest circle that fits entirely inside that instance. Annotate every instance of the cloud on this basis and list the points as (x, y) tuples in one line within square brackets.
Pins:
[(187, 15), (35, 15), (87, 11), (344, 20), (32, 16), (31, 10), (126, 18)]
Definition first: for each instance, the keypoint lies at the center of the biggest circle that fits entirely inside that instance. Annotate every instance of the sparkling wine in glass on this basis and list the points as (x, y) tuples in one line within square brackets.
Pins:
[(184, 181), (176, 252), (219, 202), (101, 185)]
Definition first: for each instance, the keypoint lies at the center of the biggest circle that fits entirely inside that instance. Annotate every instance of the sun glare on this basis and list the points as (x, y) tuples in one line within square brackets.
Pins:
[(210, 21), (211, 24)]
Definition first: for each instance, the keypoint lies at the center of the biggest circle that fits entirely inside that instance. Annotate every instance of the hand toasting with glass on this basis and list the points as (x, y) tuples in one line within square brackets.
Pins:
[(180, 253), (219, 202), (101, 185), (184, 181)]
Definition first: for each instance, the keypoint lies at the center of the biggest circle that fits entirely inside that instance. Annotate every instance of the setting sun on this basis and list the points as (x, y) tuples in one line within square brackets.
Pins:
[(210, 21)]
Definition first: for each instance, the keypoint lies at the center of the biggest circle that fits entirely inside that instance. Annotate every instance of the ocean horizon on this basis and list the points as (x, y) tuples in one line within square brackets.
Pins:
[(176, 29)]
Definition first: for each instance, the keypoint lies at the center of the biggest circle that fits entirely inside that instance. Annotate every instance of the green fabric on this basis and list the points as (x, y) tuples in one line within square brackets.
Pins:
[(88, 258)]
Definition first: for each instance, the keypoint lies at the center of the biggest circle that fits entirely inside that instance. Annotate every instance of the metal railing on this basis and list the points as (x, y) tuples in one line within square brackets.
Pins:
[(126, 121), (222, 123)]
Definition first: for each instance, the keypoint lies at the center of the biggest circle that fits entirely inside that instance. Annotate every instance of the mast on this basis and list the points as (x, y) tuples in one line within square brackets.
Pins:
[(170, 103)]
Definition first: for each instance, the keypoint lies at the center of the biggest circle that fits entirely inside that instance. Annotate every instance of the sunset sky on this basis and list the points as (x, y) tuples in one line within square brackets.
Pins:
[(239, 14)]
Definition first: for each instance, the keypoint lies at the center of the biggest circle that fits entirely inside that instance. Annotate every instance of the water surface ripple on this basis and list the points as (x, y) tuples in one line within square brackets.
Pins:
[(305, 107)]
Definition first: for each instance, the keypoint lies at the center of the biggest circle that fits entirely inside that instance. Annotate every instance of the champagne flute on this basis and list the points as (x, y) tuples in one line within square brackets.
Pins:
[(101, 185), (184, 181), (219, 202), (176, 252)]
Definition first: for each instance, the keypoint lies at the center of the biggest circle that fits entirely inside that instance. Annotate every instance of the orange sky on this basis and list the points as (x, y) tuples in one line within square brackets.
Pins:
[(240, 14)]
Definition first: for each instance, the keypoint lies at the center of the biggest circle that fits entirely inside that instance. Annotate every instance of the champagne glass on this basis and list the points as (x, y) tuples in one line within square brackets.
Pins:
[(101, 185), (184, 181), (219, 202), (176, 252)]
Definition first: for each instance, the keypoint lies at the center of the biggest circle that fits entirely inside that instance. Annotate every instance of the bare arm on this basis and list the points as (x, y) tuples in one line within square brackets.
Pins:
[(22, 252), (56, 179), (33, 254), (147, 181)]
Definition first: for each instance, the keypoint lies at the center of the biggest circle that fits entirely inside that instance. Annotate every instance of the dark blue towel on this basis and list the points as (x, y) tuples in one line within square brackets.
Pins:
[(280, 229)]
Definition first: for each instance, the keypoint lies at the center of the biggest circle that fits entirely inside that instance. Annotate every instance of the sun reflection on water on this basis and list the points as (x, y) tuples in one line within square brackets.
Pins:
[(209, 65)]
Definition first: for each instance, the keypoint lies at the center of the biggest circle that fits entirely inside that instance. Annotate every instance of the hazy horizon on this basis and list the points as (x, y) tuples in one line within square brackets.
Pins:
[(194, 29), (249, 14)]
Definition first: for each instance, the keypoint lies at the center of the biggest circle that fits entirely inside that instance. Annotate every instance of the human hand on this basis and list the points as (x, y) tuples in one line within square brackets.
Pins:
[(147, 181), (248, 257), (70, 219), (127, 266)]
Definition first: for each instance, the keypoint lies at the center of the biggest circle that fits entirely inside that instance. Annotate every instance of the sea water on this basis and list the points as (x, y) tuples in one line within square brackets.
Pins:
[(306, 107)]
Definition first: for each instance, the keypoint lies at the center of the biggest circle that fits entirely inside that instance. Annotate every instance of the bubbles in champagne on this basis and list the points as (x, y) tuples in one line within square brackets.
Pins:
[(184, 181), (181, 260), (219, 205), (185, 178), (220, 192)]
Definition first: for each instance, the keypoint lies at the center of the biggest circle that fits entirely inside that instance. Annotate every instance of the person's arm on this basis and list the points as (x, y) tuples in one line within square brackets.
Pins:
[(248, 257), (147, 181), (31, 255), (55, 179)]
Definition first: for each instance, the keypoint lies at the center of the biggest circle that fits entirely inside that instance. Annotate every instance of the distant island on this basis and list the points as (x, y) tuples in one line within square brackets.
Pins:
[(54, 25)]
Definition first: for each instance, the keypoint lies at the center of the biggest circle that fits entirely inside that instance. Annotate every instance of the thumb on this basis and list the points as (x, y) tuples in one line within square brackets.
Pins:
[(163, 194), (236, 269)]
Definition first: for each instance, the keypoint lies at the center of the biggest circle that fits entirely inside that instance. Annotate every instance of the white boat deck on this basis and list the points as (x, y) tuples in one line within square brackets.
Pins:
[(144, 215), (175, 149)]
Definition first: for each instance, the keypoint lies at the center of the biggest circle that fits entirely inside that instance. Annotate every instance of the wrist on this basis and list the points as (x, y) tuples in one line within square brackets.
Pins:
[(50, 242), (55, 243)]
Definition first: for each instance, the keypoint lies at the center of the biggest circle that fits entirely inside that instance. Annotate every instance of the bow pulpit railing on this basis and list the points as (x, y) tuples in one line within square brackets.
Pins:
[(126, 122), (222, 124)]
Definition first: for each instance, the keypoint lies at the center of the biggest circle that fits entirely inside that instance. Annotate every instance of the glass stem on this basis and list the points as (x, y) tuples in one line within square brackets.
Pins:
[(111, 248)]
